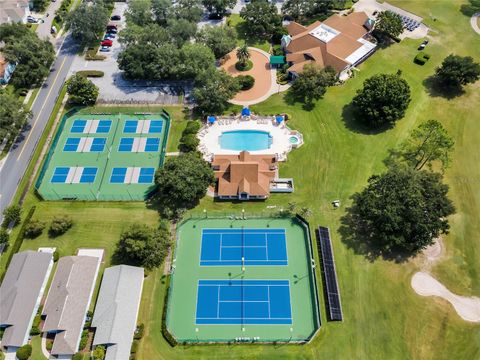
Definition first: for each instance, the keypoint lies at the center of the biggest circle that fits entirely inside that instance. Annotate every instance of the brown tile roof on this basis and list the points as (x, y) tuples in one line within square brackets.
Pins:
[(244, 173), (305, 47)]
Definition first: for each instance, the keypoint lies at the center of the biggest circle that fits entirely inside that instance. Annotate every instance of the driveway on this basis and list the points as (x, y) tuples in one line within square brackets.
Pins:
[(114, 89)]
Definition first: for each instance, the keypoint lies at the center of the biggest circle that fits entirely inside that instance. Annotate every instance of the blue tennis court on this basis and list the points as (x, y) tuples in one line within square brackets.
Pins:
[(155, 127), (130, 126), (98, 144), (233, 302), (71, 144), (146, 175), (104, 126), (118, 175), (60, 174), (227, 247), (78, 126), (88, 175), (126, 144), (152, 145)]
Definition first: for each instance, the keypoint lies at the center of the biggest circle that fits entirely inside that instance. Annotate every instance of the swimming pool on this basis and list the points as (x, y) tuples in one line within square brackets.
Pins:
[(249, 140)]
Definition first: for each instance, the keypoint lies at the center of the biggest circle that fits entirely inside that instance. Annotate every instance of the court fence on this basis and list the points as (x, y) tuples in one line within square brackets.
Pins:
[(170, 337)]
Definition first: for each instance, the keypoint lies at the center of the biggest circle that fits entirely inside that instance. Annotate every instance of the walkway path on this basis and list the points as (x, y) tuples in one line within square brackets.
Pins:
[(474, 22)]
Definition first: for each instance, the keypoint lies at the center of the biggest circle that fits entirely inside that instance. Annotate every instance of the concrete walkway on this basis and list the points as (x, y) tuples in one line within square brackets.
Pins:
[(44, 346), (474, 22)]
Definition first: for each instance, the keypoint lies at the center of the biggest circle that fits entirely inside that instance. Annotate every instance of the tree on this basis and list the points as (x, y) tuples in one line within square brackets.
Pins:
[(428, 144), (194, 58), (81, 90), (162, 11), (181, 31), (139, 12), (190, 10), (218, 7), (400, 212), (4, 236), (99, 353), (220, 39), (389, 24), (39, 5), (183, 181), (24, 352), (261, 18), (457, 71), (144, 246), (212, 91), (12, 215), (32, 56), (246, 82), (87, 22), (243, 54), (152, 35), (383, 100), (13, 115), (34, 228), (304, 9), (189, 140), (60, 225), (311, 84)]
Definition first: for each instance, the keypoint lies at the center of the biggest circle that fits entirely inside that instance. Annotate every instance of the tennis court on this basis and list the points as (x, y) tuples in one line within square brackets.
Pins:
[(249, 247), (214, 296), (243, 302), (104, 157)]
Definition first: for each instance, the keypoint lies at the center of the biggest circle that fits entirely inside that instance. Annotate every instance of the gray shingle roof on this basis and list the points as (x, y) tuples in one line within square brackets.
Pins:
[(20, 294), (68, 301), (115, 316)]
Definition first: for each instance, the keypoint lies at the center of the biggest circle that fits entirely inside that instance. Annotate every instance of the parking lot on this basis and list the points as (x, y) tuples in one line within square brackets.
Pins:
[(113, 88)]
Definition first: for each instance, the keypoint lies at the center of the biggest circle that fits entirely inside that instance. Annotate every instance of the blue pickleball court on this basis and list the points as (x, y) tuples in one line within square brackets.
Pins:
[(233, 302), (227, 247)]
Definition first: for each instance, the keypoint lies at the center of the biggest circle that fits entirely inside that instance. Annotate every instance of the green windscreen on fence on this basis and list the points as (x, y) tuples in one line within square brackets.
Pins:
[(108, 157)]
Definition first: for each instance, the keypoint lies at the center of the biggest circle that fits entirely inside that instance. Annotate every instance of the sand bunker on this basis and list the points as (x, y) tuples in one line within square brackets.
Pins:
[(467, 307)]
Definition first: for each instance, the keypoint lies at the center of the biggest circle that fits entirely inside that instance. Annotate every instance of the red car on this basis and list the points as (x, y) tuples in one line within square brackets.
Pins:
[(106, 43)]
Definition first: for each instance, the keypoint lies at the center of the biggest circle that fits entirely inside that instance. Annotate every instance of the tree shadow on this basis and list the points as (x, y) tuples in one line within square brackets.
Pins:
[(291, 99), (435, 88), (357, 235), (353, 123), (168, 209)]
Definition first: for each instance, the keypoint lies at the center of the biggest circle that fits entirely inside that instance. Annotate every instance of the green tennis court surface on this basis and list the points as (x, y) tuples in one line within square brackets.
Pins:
[(104, 157), (242, 280)]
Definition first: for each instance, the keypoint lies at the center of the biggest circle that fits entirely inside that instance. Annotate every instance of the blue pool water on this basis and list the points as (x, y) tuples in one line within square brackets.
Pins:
[(249, 140)]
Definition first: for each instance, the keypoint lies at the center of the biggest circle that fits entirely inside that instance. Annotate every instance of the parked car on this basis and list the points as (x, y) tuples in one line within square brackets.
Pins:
[(116, 18), (53, 30), (104, 49), (31, 20), (107, 42), (111, 26), (112, 31), (110, 36), (422, 45)]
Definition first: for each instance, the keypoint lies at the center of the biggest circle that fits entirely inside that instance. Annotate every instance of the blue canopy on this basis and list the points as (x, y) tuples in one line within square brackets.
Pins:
[(245, 111), (211, 119), (279, 118)]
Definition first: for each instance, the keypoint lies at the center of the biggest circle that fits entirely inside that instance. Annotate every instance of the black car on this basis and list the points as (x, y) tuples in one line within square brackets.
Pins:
[(116, 18), (422, 45)]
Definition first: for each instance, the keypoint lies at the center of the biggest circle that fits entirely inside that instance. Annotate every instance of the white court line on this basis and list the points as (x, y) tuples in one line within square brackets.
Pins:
[(218, 302)]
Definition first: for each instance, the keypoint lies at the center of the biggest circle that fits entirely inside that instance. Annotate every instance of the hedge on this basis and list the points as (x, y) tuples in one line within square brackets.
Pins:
[(166, 334), (24, 352), (91, 73), (134, 347), (139, 332), (246, 82), (421, 58)]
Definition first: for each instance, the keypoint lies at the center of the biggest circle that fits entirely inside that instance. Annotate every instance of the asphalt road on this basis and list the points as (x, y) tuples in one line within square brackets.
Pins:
[(16, 162)]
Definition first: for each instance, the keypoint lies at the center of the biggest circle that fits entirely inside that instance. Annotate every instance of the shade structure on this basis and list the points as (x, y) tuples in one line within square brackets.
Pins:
[(211, 119), (279, 119), (245, 111)]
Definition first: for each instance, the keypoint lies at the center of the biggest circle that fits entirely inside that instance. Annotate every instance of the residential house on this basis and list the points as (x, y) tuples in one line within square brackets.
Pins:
[(6, 70), (115, 317), (341, 42), (68, 301), (14, 11), (21, 293)]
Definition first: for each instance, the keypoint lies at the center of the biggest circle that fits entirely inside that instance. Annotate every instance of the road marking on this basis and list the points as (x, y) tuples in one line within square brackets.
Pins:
[(41, 109)]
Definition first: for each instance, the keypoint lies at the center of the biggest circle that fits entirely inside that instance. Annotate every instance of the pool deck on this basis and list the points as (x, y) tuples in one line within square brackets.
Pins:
[(210, 136)]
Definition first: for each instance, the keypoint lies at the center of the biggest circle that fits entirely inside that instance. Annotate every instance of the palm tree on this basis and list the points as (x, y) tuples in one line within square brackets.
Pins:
[(243, 54)]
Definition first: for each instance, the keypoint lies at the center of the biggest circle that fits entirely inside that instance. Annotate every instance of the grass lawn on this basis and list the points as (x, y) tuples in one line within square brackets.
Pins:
[(239, 24), (384, 318)]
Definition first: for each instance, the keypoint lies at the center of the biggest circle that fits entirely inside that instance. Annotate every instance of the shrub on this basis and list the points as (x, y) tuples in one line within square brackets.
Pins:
[(56, 256), (189, 143), (134, 348), (246, 82), (35, 331), (60, 225), (92, 55), (24, 352), (139, 332), (12, 214), (277, 50), (34, 228), (421, 58), (83, 340), (191, 128), (99, 353), (49, 344), (91, 73), (4, 236), (77, 356), (243, 66)]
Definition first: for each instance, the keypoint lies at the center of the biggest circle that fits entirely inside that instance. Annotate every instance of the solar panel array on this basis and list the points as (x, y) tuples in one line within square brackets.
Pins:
[(333, 296)]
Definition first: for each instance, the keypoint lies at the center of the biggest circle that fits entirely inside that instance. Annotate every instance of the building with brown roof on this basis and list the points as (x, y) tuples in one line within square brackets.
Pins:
[(244, 176), (339, 42)]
